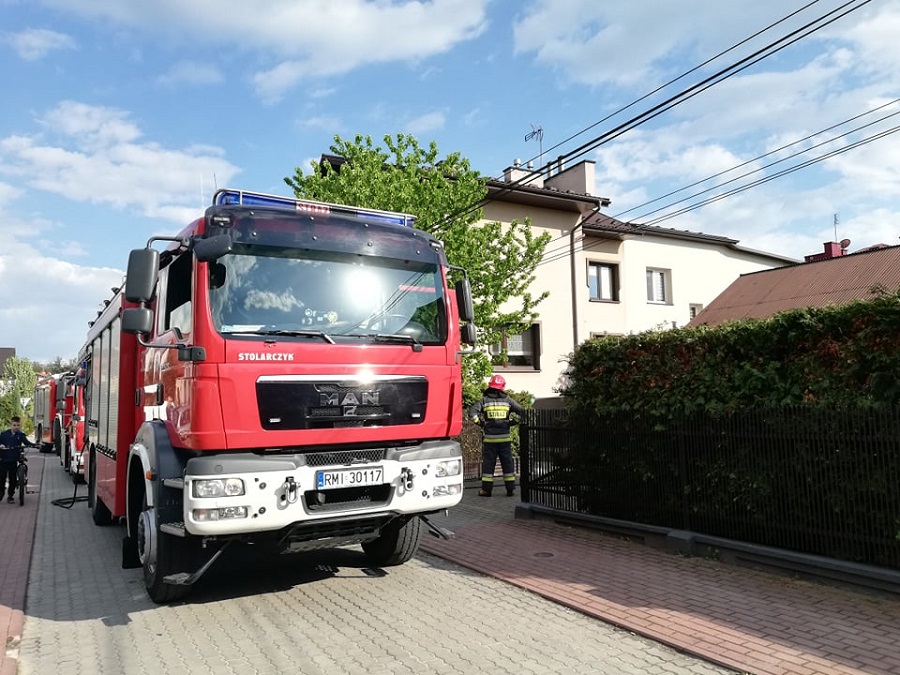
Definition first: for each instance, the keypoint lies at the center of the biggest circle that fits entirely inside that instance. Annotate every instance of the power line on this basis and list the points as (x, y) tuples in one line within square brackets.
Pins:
[(562, 252), (686, 94)]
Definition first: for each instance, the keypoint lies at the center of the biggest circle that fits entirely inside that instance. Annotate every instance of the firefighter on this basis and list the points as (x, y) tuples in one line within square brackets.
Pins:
[(495, 413)]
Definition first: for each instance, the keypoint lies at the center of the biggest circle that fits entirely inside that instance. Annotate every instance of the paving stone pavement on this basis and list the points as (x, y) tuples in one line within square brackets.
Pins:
[(749, 620), (314, 614), (576, 601)]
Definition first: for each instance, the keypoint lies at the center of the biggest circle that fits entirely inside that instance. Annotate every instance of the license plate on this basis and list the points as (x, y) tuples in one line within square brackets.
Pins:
[(344, 478)]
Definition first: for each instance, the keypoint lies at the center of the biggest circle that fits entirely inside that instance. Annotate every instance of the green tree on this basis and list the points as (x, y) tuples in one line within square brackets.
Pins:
[(445, 195), (18, 379)]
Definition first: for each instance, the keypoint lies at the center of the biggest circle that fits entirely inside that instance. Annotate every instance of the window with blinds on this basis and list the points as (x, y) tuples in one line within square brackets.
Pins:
[(518, 349), (658, 285)]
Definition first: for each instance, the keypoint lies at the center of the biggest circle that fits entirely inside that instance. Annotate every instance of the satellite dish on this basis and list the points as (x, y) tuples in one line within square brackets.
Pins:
[(845, 243)]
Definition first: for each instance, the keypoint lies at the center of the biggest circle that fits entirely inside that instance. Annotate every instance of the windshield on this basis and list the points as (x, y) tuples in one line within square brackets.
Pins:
[(266, 290)]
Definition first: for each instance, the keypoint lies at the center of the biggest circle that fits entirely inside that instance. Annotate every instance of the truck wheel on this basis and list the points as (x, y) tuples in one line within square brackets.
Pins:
[(99, 513), (396, 545), (162, 554), (39, 437)]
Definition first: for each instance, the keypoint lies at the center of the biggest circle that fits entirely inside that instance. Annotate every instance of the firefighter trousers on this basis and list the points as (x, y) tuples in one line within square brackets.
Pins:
[(490, 453)]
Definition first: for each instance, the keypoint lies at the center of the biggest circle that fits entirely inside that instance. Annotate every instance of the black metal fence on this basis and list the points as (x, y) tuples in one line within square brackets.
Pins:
[(824, 482)]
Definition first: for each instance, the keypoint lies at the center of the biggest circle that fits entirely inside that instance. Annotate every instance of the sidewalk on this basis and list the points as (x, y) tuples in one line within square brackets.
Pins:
[(747, 620), (17, 534), (741, 618)]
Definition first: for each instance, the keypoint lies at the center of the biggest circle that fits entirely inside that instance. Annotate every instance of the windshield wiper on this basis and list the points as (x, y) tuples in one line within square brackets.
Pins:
[(288, 333), (403, 339)]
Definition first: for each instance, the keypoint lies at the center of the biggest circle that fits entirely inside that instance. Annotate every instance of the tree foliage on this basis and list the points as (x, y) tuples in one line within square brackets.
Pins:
[(444, 193), (19, 380)]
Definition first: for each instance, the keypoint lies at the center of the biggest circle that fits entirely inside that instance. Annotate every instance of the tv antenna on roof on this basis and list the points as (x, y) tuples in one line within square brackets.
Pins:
[(537, 132)]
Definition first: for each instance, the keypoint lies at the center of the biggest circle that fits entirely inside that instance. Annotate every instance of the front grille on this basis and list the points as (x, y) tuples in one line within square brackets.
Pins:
[(343, 499), (332, 404), (344, 457)]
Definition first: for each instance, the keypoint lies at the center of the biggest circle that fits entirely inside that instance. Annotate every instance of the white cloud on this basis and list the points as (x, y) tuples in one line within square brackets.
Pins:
[(303, 38), (94, 156), (45, 303), (187, 72), (426, 123), (35, 43)]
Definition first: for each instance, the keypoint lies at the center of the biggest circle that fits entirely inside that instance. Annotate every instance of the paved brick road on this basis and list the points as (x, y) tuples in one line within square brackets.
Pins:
[(311, 614), (742, 618)]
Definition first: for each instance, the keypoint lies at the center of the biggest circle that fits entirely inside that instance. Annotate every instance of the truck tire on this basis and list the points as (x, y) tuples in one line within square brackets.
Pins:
[(39, 437), (396, 545), (99, 513), (162, 554)]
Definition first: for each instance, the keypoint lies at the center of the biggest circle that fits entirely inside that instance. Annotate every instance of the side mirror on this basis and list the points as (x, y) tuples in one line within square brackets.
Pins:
[(212, 248), (467, 334), (464, 301), (137, 320), (140, 279)]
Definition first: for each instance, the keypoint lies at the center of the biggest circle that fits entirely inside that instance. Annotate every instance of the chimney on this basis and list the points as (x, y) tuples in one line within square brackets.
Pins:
[(578, 179), (525, 176), (833, 249)]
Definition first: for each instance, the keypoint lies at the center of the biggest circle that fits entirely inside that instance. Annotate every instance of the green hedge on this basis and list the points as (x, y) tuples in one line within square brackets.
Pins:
[(829, 356)]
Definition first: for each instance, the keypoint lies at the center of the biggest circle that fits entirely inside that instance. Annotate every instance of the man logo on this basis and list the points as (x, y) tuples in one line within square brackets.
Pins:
[(350, 399)]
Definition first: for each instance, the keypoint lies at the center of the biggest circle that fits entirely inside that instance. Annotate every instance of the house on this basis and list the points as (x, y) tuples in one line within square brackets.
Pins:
[(604, 276), (829, 278)]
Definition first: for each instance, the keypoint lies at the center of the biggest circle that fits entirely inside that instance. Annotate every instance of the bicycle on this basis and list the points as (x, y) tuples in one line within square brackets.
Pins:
[(22, 476), (21, 473)]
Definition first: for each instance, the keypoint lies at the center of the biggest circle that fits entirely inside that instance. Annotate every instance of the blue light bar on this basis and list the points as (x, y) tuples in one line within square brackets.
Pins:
[(242, 198)]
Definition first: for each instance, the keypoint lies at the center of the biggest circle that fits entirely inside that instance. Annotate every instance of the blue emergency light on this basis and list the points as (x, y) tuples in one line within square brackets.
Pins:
[(243, 198)]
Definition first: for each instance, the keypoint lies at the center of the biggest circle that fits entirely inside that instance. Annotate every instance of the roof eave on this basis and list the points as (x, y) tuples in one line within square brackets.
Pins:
[(499, 191)]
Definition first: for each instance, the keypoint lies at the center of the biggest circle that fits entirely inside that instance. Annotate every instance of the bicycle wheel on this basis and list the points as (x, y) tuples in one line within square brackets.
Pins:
[(22, 475)]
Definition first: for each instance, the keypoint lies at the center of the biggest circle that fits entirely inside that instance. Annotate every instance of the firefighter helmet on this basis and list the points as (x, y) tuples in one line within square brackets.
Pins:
[(497, 382)]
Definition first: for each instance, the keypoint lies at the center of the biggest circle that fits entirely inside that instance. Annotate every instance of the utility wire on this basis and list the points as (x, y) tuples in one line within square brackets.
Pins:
[(561, 252), (686, 94), (797, 167), (757, 158), (784, 172)]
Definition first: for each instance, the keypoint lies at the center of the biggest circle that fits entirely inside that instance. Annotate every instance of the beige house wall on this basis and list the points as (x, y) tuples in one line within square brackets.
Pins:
[(698, 271)]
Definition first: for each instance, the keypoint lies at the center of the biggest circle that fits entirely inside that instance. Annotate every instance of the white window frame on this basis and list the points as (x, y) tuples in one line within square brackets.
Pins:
[(659, 286)]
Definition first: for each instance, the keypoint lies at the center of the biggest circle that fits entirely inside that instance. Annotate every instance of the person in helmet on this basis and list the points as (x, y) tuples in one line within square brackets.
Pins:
[(495, 413)]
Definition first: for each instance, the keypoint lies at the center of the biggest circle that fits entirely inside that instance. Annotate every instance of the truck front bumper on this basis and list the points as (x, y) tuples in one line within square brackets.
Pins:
[(245, 493)]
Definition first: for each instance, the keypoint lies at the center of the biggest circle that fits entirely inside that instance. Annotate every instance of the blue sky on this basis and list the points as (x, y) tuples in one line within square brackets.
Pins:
[(121, 117)]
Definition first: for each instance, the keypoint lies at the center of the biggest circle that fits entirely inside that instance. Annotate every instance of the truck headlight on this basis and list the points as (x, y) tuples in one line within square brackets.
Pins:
[(218, 487), (229, 512), (449, 467)]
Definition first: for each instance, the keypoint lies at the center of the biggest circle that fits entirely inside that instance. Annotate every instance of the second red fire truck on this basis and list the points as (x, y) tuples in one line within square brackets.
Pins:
[(284, 374)]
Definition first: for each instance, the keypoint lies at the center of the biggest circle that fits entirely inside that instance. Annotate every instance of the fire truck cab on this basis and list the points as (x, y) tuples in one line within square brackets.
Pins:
[(285, 373)]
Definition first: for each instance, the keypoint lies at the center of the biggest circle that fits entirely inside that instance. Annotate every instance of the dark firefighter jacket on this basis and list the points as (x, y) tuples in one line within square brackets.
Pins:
[(495, 412)]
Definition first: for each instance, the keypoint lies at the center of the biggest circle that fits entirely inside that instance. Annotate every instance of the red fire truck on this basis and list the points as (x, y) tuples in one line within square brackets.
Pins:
[(51, 411), (71, 455), (285, 374), (45, 411), (59, 420)]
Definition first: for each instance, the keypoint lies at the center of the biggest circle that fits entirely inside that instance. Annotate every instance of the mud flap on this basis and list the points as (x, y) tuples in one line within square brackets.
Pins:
[(130, 558)]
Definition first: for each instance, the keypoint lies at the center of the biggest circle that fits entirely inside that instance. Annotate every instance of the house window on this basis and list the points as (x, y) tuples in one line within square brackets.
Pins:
[(694, 309), (603, 281), (658, 286), (519, 350)]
